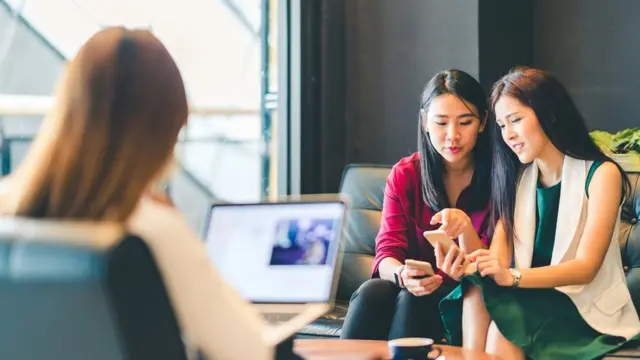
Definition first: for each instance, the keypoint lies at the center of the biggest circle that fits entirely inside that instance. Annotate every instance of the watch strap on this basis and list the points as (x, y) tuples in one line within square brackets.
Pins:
[(398, 276)]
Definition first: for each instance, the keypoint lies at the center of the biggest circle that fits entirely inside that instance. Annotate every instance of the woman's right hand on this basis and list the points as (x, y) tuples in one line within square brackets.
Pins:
[(452, 263), (455, 222), (411, 278)]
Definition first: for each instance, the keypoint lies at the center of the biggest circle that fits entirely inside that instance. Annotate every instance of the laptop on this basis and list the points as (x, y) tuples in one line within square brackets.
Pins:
[(284, 257)]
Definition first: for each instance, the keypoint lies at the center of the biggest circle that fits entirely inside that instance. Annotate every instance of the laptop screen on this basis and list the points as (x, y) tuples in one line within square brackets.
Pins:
[(277, 252)]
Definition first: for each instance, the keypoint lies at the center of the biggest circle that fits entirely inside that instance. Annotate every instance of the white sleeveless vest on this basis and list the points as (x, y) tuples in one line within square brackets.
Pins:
[(605, 303)]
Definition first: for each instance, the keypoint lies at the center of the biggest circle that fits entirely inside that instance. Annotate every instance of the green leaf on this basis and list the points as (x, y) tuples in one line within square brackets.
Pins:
[(627, 140), (603, 140)]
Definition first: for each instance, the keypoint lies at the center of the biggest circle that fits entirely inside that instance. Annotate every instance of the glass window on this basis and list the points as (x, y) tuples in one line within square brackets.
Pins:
[(223, 49)]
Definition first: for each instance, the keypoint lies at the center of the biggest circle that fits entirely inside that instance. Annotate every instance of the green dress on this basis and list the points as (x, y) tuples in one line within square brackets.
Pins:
[(543, 322)]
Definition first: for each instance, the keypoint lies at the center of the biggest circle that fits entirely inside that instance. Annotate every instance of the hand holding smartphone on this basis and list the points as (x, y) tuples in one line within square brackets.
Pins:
[(420, 265), (439, 236), (450, 267)]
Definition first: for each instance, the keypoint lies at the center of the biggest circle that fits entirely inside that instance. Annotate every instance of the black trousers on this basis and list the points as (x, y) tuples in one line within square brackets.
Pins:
[(379, 310)]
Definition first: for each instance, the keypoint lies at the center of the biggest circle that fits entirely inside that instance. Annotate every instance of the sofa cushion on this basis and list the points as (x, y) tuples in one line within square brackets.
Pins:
[(363, 185), (630, 238)]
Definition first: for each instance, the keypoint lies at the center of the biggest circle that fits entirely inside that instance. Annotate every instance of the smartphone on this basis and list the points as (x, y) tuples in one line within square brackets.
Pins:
[(439, 236), (422, 265)]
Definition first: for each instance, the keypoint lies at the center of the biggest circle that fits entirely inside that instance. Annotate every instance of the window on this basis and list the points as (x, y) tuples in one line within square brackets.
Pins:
[(226, 51)]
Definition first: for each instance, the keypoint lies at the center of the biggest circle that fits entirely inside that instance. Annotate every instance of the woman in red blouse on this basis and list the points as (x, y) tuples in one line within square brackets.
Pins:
[(446, 185)]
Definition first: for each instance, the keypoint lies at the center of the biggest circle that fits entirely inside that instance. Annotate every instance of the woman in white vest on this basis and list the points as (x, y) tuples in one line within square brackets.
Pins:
[(551, 286)]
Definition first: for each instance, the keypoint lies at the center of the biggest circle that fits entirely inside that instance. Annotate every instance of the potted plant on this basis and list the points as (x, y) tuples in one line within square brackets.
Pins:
[(623, 146)]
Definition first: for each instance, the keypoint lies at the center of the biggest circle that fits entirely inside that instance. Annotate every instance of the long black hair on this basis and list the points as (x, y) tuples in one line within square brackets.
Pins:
[(465, 87), (560, 120)]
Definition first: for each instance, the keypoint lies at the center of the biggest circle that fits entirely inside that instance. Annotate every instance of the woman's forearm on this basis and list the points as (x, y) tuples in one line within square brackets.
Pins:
[(573, 272), (469, 241), (387, 268)]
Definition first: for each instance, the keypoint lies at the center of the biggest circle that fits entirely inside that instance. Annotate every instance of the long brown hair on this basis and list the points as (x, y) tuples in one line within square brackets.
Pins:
[(561, 121), (119, 111)]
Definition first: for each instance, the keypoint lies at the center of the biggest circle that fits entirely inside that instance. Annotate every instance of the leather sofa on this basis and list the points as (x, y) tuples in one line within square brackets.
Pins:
[(364, 186)]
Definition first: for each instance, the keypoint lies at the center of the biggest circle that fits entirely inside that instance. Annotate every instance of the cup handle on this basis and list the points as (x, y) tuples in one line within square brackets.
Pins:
[(439, 352)]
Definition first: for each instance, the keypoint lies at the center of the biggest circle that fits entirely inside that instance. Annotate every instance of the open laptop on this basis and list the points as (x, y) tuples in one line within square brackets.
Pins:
[(284, 257)]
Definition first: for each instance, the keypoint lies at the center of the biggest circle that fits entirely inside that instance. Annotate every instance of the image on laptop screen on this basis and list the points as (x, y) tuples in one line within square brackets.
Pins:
[(277, 252)]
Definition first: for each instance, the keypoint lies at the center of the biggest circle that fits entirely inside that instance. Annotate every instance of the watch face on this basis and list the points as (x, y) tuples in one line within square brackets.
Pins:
[(516, 277)]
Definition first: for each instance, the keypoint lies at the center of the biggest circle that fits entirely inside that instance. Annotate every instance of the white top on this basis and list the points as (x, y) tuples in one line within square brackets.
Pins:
[(212, 316)]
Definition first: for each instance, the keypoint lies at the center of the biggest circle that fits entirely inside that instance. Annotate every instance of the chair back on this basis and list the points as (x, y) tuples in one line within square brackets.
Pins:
[(77, 291)]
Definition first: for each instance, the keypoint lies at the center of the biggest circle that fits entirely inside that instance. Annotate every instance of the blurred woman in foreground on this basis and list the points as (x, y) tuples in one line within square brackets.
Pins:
[(98, 156)]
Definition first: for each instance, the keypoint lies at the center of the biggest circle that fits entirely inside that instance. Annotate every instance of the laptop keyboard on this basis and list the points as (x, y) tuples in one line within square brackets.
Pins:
[(279, 318)]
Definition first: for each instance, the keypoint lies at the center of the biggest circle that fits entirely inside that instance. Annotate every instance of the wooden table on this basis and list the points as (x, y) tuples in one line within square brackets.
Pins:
[(335, 349)]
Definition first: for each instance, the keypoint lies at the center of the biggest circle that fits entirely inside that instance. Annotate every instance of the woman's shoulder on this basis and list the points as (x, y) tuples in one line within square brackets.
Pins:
[(404, 178), (158, 222), (167, 233), (407, 168), (605, 172), (408, 162)]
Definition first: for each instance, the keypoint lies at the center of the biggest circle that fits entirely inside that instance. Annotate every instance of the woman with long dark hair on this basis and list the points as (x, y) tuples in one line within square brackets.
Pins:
[(443, 186), (552, 285)]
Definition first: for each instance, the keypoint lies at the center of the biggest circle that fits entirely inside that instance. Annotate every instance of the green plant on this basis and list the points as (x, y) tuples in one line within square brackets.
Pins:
[(627, 140), (622, 142), (603, 139)]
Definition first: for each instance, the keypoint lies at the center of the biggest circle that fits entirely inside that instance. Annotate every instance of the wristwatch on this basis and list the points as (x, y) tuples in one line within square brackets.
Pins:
[(397, 275), (516, 277)]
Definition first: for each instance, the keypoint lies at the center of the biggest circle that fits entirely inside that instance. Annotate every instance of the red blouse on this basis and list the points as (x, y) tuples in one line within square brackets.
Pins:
[(405, 217)]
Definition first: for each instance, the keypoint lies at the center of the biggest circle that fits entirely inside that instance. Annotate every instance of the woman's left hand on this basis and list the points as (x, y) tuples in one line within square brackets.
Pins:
[(488, 264), (451, 263), (454, 222)]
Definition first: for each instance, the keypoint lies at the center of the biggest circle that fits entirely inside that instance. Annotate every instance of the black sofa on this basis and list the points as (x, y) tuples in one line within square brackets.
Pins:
[(364, 186)]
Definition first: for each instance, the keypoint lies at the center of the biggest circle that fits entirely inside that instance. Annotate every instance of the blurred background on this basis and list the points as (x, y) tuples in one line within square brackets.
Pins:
[(222, 49), (285, 93)]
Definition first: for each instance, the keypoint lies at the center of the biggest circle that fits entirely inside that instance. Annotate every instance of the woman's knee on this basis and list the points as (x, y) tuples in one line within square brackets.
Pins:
[(425, 306), (374, 289), (499, 345), (370, 311), (407, 298), (493, 337), (475, 319)]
